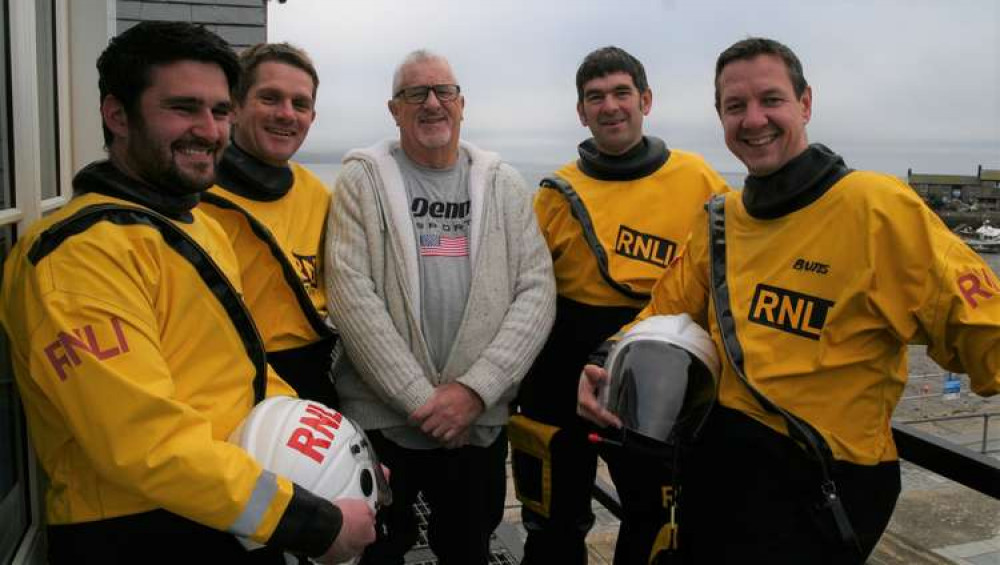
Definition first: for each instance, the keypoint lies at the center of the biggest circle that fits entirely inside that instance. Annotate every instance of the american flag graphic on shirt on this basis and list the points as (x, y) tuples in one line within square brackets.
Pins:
[(434, 245)]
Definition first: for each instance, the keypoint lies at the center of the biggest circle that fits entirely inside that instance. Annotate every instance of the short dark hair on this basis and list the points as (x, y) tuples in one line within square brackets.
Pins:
[(279, 52), (752, 47), (126, 65), (608, 60)]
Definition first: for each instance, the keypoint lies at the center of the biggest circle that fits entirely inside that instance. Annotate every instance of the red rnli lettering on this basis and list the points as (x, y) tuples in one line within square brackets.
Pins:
[(972, 285), (319, 420), (62, 353), (306, 443), (323, 421)]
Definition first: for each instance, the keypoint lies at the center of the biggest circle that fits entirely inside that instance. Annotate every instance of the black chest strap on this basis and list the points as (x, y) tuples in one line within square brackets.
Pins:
[(579, 211)]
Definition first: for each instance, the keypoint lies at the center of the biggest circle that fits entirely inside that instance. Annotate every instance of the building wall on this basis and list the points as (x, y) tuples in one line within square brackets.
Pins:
[(957, 191), (240, 22)]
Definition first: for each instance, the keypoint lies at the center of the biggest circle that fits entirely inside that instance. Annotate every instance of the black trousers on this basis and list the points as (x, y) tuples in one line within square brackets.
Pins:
[(151, 537), (307, 370), (548, 395), (464, 488), (749, 495), (642, 483)]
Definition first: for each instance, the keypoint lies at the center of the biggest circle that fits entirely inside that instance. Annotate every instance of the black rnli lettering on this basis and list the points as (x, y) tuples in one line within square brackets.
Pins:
[(789, 311), (644, 247), (421, 207), (811, 266)]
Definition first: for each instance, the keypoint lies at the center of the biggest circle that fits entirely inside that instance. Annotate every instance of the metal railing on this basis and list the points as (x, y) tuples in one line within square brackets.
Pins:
[(977, 471), (984, 444)]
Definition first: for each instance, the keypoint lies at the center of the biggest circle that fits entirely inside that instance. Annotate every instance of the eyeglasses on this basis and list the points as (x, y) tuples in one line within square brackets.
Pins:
[(419, 94)]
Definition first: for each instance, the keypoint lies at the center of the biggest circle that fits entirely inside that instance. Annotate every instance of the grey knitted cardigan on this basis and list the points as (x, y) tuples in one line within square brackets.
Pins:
[(373, 294)]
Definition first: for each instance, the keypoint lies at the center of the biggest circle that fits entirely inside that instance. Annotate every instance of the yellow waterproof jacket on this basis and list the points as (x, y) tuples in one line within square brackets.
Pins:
[(640, 223), (278, 245), (825, 299), (135, 360)]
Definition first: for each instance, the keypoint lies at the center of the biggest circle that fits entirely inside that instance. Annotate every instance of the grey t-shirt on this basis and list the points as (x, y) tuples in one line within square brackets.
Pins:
[(440, 210)]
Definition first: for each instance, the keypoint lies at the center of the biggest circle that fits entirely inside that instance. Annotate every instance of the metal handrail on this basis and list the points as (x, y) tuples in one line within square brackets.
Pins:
[(986, 426), (946, 458)]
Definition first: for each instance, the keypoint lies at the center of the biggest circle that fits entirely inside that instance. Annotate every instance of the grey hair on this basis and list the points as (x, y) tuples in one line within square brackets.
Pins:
[(418, 56)]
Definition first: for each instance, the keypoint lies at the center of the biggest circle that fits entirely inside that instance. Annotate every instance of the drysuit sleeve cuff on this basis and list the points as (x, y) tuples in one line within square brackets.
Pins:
[(309, 525)]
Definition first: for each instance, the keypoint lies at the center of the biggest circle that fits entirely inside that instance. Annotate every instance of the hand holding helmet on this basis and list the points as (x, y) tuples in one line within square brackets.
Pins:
[(356, 533), (661, 381), (593, 380), (324, 452)]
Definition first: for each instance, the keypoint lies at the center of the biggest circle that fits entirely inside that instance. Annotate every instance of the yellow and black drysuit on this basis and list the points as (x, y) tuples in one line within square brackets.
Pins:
[(275, 218), (136, 359), (831, 272), (612, 224)]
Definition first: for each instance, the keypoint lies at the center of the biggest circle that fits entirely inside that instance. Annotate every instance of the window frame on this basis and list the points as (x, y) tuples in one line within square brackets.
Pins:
[(80, 31)]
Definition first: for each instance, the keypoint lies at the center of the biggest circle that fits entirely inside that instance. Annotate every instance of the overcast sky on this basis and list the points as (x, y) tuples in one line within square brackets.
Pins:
[(897, 84)]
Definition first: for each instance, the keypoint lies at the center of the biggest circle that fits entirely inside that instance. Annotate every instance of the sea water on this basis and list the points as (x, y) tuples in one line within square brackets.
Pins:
[(533, 173)]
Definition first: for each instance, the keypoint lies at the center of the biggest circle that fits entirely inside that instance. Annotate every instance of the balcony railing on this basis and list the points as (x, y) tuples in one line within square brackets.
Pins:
[(977, 471)]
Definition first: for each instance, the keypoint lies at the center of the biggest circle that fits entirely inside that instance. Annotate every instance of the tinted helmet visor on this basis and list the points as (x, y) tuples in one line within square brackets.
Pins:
[(660, 391)]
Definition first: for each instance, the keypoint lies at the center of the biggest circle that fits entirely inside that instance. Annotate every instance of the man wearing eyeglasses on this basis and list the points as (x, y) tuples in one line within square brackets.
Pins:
[(442, 288)]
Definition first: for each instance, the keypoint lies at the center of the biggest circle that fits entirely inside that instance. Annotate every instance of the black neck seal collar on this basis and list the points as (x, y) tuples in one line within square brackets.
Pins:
[(796, 185), (642, 160), (242, 173), (102, 177)]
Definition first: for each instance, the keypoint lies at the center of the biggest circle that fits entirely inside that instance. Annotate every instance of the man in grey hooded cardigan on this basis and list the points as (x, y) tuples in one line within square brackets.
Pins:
[(441, 286)]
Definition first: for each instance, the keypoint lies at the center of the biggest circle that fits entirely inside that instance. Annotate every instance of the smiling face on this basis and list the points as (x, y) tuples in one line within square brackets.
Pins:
[(179, 130), (764, 122), (613, 108), (272, 121), (428, 132)]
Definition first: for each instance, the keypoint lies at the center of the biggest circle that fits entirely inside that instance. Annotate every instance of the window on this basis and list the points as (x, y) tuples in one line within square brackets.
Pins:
[(5, 173), (15, 504), (14, 493), (48, 111), (31, 169)]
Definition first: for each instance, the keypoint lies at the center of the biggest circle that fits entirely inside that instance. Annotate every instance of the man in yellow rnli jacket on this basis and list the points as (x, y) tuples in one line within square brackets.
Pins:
[(274, 212), (612, 219), (831, 272), (133, 352)]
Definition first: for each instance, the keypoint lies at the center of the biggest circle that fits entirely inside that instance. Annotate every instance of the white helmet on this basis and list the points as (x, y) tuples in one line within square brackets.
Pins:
[(663, 378), (316, 447)]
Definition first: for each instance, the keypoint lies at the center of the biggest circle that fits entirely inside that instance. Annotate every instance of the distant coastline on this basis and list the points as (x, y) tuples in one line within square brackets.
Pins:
[(533, 173)]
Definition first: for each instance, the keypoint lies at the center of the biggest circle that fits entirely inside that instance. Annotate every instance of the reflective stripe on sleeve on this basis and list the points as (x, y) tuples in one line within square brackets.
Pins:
[(260, 500)]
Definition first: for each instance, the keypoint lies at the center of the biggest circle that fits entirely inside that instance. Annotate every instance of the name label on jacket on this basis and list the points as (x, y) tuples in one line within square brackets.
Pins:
[(315, 432), (811, 266), (644, 247), (789, 311), (64, 351)]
